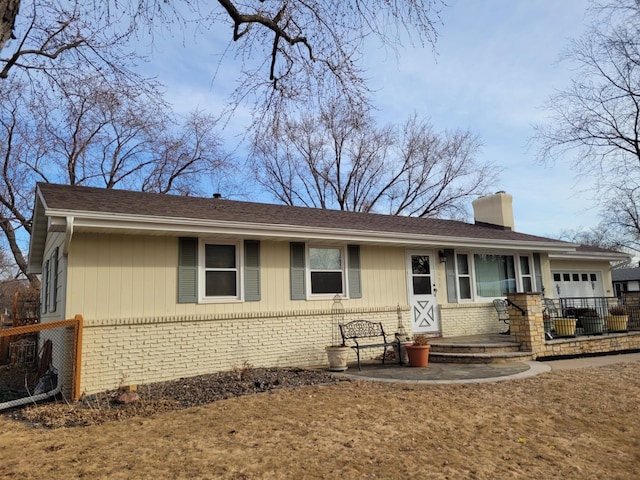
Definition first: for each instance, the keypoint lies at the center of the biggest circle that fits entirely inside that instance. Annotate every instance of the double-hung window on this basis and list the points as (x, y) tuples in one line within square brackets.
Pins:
[(221, 271), (326, 271), (212, 270), (464, 276), (526, 275)]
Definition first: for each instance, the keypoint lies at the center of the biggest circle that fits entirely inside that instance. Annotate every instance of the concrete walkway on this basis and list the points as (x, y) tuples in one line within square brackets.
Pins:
[(598, 361), (444, 373)]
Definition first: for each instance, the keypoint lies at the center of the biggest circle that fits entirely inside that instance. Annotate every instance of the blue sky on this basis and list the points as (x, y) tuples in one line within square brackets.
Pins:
[(495, 66)]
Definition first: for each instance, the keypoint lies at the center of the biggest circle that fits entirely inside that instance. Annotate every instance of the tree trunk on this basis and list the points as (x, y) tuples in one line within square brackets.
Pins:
[(8, 13), (17, 254)]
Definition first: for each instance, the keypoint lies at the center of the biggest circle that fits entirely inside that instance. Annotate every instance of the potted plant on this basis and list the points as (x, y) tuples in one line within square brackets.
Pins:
[(617, 320), (418, 351), (337, 351), (592, 323)]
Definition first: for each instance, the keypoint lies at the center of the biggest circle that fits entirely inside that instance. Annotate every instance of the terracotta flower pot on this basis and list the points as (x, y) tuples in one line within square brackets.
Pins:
[(418, 355)]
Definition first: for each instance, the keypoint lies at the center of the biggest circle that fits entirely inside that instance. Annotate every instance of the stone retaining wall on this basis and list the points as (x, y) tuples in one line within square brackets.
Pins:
[(528, 330)]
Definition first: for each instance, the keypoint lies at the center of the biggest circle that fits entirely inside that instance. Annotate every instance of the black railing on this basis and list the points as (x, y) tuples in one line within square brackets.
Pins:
[(576, 316)]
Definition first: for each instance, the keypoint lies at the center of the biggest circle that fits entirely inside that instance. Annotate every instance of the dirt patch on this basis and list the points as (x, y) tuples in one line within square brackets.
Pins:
[(168, 396), (571, 424)]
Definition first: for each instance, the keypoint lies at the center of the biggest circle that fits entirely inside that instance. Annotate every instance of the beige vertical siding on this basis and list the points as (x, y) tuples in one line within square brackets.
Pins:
[(126, 276), (136, 332)]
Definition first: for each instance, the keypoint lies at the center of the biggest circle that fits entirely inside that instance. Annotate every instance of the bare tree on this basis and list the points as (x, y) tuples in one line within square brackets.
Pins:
[(15, 187), (55, 39), (621, 218), (8, 12), (181, 155), (601, 236), (596, 121), (7, 266), (88, 133), (597, 116), (337, 159), (288, 50), (304, 48)]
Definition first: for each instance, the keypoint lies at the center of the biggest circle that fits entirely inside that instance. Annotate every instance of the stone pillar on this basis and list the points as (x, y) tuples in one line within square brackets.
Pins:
[(527, 329)]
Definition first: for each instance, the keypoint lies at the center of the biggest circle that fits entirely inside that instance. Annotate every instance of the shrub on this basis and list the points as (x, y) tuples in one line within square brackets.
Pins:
[(617, 310), (420, 339)]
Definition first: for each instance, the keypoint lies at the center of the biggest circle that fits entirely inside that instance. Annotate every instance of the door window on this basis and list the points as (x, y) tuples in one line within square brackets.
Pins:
[(421, 274)]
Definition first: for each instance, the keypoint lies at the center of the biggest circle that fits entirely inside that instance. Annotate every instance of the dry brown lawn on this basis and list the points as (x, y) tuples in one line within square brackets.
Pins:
[(571, 424)]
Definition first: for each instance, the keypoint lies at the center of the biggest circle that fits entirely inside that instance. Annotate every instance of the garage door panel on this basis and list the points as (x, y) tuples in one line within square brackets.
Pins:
[(577, 284)]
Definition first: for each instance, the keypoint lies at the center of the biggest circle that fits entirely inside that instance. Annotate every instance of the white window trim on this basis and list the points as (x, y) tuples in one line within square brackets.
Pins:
[(202, 276), (345, 272), (531, 275), (472, 273)]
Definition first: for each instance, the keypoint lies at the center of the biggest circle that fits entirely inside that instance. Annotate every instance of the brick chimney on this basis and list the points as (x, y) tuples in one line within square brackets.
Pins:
[(494, 210)]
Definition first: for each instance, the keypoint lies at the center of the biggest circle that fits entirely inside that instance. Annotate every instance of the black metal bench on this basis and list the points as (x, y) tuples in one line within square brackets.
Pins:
[(359, 330)]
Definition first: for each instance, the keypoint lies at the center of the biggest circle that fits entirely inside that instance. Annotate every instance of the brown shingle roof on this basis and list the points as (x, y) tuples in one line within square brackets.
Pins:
[(65, 198)]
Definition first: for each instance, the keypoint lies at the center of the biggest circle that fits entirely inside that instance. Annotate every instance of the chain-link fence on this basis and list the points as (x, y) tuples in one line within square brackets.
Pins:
[(40, 361)]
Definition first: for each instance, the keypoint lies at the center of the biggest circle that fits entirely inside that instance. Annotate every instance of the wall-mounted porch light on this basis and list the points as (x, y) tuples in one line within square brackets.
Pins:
[(443, 256)]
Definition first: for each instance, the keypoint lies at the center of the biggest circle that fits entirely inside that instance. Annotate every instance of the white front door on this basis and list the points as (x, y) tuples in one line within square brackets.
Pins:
[(422, 295)]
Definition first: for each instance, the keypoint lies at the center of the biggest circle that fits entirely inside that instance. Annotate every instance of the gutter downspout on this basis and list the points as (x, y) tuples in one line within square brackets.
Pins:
[(68, 235)]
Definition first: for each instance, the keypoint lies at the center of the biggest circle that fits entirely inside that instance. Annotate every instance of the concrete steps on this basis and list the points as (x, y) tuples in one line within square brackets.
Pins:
[(477, 349)]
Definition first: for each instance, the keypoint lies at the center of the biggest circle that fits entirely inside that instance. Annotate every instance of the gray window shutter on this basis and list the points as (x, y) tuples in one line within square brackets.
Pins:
[(252, 270), (54, 276), (355, 287), (537, 271), (187, 270), (452, 284), (298, 290)]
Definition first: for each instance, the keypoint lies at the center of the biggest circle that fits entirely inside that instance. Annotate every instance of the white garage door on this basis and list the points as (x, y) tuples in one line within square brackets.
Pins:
[(577, 284)]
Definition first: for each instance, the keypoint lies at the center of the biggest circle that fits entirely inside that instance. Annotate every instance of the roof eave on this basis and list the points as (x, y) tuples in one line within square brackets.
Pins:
[(37, 240), (93, 221), (577, 255)]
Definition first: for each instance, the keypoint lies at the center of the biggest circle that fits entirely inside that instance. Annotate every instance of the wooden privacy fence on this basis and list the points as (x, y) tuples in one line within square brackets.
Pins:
[(40, 360)]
